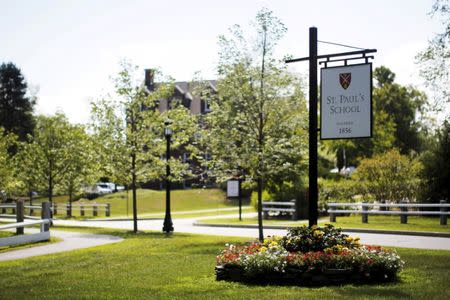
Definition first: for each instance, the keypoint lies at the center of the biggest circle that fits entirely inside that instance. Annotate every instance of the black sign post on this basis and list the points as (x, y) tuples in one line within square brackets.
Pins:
[(313, 100), (313, 161)]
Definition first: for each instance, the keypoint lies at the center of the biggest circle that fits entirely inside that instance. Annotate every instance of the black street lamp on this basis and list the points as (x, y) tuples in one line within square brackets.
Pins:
[(168, 225)]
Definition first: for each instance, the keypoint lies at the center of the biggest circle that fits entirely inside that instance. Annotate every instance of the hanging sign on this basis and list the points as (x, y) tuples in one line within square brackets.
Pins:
[(232, 188), (346, 102)]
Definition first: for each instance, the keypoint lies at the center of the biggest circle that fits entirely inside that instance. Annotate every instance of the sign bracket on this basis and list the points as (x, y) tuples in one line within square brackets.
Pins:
[(313, 100)]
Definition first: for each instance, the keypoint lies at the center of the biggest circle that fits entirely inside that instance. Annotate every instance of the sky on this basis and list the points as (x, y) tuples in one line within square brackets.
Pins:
[(68, 50)]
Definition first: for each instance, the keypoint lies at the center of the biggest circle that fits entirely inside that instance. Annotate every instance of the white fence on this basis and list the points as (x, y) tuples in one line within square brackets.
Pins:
[(95, 208), (20, 238), (402, 209), (43, 235), (66, 208)]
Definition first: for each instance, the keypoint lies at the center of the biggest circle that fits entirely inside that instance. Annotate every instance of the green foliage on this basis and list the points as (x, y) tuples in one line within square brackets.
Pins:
[(82, 164), (7, 181), (341, 190), (404, 105), (435, 176), (51, 152), (257, 126), (28, 169), (434, 61), (16, 108), (265, 197), (129, 130), (390, 176)]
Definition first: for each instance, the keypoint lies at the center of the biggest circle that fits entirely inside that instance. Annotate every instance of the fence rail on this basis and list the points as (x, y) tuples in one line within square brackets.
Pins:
[(56, 208), (20, 238), (280, 207), (363, 209)]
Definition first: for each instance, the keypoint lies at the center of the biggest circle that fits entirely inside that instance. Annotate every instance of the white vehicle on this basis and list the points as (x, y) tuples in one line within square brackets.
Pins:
[(103, 188)]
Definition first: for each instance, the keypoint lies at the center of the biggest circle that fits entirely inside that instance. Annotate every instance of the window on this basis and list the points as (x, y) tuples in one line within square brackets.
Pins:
[(206, 107)]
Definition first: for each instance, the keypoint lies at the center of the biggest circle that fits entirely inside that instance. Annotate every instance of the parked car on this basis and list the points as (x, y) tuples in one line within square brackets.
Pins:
[(104, 188)]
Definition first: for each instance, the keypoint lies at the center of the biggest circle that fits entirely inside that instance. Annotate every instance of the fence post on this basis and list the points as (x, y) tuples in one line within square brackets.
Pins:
[(3, 210), (31, 209), (55, 208), (81, 210), (364, 214), (94, 210), (403, 217), (45, 214), (20, 212), (108, 210), (69, 209), (332, 215), (443, 216)]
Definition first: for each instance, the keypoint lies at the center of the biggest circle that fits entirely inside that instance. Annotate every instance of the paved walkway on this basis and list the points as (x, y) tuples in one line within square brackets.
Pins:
[(70, 241)]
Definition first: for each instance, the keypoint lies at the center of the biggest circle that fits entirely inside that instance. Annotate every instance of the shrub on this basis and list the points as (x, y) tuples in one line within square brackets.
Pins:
[(343, 190), (254, 198), (390, 176)]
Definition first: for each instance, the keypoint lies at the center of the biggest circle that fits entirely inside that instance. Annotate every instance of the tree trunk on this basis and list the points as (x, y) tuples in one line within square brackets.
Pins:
[(70, 200), (30, 195), (50, 188), (133, 187), (260, 224)]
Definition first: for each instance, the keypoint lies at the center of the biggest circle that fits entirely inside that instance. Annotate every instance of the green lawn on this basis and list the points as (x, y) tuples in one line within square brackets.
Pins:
[(152, 201), (415, 223), (153, 266), (6, 234)]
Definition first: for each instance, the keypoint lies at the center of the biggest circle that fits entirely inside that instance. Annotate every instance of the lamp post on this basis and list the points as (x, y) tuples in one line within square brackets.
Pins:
[(168, 225)]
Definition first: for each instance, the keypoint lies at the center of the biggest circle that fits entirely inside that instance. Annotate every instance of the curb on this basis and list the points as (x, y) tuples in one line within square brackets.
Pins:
[(355, 230)]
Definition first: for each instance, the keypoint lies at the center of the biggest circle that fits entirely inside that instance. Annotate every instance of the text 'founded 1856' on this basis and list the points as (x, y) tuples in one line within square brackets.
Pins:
[(346, 102)]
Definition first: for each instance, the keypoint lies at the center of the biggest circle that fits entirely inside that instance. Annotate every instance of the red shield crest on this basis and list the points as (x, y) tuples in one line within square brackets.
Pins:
[(345, 79)]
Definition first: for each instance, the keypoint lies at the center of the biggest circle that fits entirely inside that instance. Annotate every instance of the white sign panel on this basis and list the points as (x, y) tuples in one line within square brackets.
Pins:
[(232, 188), (346, 102)]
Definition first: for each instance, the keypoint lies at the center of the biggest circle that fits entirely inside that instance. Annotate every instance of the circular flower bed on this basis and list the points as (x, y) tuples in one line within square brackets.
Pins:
[(308, 256)]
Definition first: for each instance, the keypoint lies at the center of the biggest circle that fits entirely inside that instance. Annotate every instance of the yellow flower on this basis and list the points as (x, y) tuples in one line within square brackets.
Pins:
[(263, 249), (318, 233), (273, 244)]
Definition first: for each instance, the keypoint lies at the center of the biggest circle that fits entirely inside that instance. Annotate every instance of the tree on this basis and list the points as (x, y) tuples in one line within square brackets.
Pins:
[(434, 61), (82, 165), (16, 109), (435, 175), (7, 181), (27, 168), (129, 129), (257, 124), (404, 105), (390, 176), (52, 139)]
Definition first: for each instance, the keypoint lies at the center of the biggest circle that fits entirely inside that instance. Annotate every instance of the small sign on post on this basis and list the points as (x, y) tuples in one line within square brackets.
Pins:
[(232, 188), (346, 102), (233, 191)]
